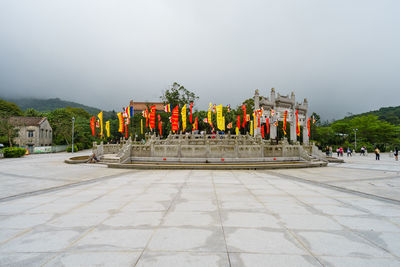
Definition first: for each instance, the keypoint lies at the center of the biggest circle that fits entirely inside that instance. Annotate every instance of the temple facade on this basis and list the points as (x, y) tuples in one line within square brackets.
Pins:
[(280, 104)]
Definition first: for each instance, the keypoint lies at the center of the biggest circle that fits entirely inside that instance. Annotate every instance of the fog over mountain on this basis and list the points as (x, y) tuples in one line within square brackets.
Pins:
[(343, 56)]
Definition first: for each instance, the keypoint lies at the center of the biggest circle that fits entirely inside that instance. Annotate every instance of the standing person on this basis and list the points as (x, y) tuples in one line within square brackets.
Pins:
[(348, 151), (362, 152), (396, 153), (377, 151), (341, 151), (327, 151), (330, 151), (338, 152)]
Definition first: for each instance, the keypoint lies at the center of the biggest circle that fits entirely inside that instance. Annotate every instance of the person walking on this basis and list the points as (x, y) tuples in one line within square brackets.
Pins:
[(348, 152), (338, 152), (341, 151), (377, 152), (396, 153)]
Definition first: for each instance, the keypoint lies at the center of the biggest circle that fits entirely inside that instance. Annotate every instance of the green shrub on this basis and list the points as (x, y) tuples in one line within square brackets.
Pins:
[(69, 148), (14, 152), (80, 146)]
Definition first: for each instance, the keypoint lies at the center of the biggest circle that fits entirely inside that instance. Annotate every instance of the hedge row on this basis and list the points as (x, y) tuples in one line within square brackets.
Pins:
[(14, 152)]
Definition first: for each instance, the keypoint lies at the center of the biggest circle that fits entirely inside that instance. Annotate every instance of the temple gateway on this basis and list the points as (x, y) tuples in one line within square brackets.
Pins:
[(280, 104)]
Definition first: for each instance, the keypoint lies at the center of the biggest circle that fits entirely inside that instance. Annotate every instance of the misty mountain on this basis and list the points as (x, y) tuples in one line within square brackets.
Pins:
[(45, 105)]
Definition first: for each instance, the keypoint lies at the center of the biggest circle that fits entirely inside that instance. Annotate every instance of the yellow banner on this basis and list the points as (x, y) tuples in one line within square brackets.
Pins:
[(209, 118), (121, 122), (183, 115), (108, 128), (220, 120), (141, 126), (237, 131), (251, 127), (100, 115)]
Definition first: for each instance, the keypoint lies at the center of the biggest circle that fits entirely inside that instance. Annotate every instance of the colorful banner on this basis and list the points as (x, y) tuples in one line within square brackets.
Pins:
[(209, 118), (308, 126), (175, 119), (121, 122), (100, 115), (191, 112), (284, 122), (183, 115), (237, 131), (141, 126), (93, 125), (251, 128), (167, 108), (267, 124), (108, 128), (238, 122), (262, 131), (153, 117), (244, 116), (131, 111), (196, 124), (159, 124), (297, 123), (220, 121)]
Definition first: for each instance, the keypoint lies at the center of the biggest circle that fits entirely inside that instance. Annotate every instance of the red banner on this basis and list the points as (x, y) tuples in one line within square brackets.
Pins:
[(297, 123), (244, 116), (175, 119), (238, 122), (159, 124), (93, 125), (284, 122), (153, 117), (196, 124), (308, 126), (262, 131), (191, 112), (267, 123), (126, 131)]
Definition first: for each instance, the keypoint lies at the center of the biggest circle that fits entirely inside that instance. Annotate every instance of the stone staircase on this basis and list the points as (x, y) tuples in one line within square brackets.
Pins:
[(109, 158)]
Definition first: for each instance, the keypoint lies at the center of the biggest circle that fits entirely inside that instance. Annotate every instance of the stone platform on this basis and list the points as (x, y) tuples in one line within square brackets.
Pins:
[(55, 214)]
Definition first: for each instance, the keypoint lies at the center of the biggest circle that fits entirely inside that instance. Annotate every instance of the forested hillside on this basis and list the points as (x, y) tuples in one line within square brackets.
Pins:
[(46, 105)]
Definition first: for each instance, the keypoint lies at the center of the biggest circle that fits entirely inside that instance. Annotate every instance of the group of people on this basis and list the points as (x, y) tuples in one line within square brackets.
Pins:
[(363, 152)]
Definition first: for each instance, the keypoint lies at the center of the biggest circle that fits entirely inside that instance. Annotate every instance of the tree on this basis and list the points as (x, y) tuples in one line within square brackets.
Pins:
[(7, 130), (178, 95), (30, 112)]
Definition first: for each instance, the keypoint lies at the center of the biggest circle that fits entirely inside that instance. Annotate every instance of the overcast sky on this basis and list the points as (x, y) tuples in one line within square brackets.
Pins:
[(342, 55)]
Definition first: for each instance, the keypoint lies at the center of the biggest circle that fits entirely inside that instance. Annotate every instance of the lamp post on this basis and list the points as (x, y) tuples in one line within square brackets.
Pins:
[(73, 122), (355, 139)]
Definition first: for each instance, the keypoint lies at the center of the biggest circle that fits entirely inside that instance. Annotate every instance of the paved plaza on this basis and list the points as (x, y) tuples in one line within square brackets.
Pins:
[(55, 214)]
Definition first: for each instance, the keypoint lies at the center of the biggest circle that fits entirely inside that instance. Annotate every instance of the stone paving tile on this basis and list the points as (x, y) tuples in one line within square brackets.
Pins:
[(183, 259), (208, 239), (132, 219), (41, 241), (249, 219), (367, 224), (262, 241), (114, 239), (340, 244), (311, 222), (193, 218), (262, 260), (337, 210), (101, 258), (77, 219), (23, 221), (359, 261), (25, 259)]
